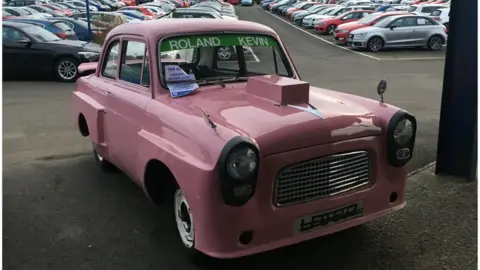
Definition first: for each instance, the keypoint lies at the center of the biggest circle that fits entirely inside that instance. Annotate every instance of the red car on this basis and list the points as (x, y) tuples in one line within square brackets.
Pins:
[(234, 2), (143, 10), (53, 7), (328, 26), (342, 31), (129, 3), (302, 7)]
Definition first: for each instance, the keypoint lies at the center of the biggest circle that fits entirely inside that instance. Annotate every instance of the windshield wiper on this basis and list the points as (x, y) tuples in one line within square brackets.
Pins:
[(222, 80)]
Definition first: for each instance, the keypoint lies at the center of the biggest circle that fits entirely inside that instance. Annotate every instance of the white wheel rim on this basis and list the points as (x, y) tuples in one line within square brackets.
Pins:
[(184, 219), (224, 53), (67, 70)]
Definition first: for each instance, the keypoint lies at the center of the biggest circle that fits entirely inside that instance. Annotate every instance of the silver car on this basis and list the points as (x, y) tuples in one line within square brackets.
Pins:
[(400, 31)]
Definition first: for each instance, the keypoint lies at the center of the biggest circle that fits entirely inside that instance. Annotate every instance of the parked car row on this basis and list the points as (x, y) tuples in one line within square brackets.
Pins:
[(48, 44), (360, 24)]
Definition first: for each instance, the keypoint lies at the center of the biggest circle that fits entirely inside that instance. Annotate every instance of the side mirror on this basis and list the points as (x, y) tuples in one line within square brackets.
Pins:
[(393, 27), (87, 68), (24, 40)]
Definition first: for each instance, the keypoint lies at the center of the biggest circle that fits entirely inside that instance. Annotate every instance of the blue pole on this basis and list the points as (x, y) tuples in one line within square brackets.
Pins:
[(88, 21)]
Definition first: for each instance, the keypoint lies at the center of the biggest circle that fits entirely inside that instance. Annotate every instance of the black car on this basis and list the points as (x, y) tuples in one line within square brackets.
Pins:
[(288, 3), (29, 49)]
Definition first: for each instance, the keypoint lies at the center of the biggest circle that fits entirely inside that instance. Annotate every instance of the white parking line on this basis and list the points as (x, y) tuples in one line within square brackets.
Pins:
[(359, 53), (324, 40), (253, 54)]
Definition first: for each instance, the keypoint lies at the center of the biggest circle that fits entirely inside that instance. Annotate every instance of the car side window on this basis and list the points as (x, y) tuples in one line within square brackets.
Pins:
[(349, 16), (405, 22), (135, 65), (110, 65), (423, 21), (12, 35), (69, 24)]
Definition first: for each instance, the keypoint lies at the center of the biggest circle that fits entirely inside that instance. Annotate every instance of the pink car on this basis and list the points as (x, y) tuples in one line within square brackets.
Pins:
[(250, 157)]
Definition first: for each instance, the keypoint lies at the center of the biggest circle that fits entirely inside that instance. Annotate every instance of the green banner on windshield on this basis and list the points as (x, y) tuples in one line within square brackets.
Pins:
[(188, 42)]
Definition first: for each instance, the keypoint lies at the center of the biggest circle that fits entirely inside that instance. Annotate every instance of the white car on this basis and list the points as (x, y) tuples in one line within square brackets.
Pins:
[(425, 9), (442, 15)]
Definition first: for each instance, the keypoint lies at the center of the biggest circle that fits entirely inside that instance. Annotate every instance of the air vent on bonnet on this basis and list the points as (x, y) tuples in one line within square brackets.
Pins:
[(285, 91)]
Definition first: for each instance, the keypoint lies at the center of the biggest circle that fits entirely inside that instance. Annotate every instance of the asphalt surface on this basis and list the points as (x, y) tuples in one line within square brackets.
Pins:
[(61, 212)]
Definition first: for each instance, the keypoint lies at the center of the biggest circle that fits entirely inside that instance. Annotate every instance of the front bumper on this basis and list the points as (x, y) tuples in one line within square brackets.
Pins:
[(357, 41), (307, 24), (341, 37), (321, 29), (218, 226)]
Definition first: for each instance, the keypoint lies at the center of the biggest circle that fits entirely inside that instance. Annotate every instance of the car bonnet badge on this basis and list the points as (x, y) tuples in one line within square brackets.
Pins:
[(310, 109)]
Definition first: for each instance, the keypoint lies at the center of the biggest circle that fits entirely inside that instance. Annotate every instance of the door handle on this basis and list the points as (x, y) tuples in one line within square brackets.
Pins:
[(108, 92)]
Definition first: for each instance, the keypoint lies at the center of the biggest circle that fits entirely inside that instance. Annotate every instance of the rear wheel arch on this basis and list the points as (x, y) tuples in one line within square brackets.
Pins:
[(83, 125)]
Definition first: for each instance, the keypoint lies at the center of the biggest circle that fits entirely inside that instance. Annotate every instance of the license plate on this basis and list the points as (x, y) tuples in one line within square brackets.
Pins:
[(328, 218)]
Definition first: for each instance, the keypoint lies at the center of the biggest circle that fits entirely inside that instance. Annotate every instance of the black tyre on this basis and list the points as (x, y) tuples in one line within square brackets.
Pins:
[(66, 69), (104, 164), (375, 44), (330, 29), (435, 42)]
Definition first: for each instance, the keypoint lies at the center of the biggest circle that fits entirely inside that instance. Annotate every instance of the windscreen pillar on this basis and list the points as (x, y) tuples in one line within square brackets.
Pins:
[(457, 138)]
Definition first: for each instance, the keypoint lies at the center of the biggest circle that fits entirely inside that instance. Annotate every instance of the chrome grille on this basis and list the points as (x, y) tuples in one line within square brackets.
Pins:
[(321, 177)]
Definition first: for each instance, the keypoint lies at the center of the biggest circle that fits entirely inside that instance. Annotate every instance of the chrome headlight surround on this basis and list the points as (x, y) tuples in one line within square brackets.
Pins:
[(238, 171), (401, 133)]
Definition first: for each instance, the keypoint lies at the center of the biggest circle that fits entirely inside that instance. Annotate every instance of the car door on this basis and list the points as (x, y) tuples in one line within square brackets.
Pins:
[(398, 33), (127, 97), (422, 31), (15, 54)]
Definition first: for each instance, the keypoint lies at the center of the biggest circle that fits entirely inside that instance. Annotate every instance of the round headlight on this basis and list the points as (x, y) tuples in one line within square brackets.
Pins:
[(403, 132), (241, 163)]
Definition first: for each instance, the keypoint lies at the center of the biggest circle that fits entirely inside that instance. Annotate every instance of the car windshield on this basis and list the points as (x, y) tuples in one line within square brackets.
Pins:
[(231, 57), (369, 18), (383, 23), (327, 11), (31, 10), (22, 12), (412, 9), (297, 5), (40, 34), (313, 8)]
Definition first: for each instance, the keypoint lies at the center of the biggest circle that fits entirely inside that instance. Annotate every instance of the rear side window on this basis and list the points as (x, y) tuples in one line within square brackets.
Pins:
[(436, 13), (110, 65), (428, 9), (135, 65), (69, 24), (423, 21), (62, 26), (13, 12)]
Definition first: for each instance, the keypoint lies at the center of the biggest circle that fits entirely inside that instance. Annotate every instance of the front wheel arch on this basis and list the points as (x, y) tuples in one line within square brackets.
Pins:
[(368, 42), (159, 182)]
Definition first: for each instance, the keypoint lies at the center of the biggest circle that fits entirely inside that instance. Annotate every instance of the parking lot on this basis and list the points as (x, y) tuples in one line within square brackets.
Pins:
[(403, 54), (61, 212)]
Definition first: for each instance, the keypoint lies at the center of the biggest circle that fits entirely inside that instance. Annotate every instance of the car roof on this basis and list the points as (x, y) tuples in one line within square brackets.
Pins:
[(159, 28), (33, 20), (16, 24)]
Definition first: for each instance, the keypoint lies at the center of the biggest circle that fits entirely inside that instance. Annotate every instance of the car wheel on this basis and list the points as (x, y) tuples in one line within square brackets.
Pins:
[(331, 29), (104, 164), (375, 44), (225, 53), (186, 227), (435, 43), (66, 69)]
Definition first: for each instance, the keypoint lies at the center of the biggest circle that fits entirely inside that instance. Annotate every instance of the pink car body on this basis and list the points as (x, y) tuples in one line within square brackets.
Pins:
[(326, 161)]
